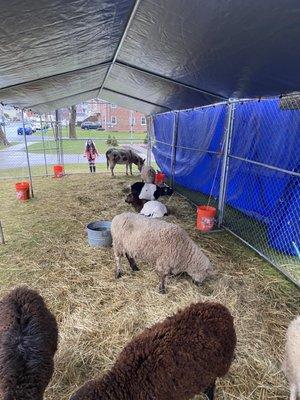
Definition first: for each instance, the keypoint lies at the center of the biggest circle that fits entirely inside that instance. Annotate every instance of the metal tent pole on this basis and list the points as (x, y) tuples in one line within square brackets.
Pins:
[(61, 141), (27, 155), (44, 150), (149, 121), (131, 126), (57, 137), (225, 165), (174, 147)]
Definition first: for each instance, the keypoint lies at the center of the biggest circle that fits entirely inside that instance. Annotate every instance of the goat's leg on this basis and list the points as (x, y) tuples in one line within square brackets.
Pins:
[(162, 284), (132, 263), (118, 270), (112, 170), (126, 168), (130, 168), (210, 392)]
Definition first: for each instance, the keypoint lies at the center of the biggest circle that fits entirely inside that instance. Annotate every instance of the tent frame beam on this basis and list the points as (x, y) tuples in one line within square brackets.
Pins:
[(136, 98), (170, 80), (117, 51)]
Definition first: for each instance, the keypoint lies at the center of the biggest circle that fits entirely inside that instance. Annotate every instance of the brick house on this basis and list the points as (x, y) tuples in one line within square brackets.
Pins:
[(112, 117), (115, 118)]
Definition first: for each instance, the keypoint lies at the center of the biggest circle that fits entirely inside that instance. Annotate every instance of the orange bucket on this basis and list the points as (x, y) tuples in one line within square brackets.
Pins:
[(22, 189), (206, 218), (159, 178), (58, 171)]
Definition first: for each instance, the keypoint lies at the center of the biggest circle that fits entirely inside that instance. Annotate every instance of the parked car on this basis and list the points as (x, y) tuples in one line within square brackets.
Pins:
[(91, 125), (28, 130)]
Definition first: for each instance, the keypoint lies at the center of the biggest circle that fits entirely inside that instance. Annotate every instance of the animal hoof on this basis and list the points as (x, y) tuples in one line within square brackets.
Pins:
[(135, 268), (118, 274), (162, 290)]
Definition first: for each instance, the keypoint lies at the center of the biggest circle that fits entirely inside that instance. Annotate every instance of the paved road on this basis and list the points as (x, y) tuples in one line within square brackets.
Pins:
[(15, 156)]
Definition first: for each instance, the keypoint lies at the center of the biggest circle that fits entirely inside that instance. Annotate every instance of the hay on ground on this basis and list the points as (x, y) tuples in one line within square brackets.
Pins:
[(97, 315)]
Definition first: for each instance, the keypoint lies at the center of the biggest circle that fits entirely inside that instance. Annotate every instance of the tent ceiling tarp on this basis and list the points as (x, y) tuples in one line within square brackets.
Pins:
[(153, 55)]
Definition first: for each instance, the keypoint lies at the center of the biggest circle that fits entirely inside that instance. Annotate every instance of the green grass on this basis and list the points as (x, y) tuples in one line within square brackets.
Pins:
[(72, 146), (6, 147), (93, 133), (76, 146)]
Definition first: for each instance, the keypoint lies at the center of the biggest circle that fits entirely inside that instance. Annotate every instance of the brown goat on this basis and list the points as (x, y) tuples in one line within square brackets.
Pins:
[(174, 359), (28, 342)]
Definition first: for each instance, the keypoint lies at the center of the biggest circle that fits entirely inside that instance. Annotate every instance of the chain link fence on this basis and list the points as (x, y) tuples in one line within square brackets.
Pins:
[(243, 158), (48, 144), (262, 197)]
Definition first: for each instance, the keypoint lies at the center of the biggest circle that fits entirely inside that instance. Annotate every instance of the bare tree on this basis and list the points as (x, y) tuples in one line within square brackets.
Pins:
[(3, 138), (72, 123)]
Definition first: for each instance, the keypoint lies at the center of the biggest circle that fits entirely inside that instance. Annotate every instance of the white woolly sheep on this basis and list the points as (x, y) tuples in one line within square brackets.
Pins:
[(166, 245), (28, 342), (291, 363), (148, 174), (175, 359), (154, 209)]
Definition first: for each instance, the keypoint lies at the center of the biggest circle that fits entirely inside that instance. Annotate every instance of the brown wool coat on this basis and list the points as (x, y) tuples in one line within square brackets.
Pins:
[(173, 360), (28, 341)]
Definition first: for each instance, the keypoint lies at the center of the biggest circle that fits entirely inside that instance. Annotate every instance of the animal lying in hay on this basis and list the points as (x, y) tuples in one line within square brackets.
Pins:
[(123, 156), (154, 209), (158, 242), (135, 201), (28, 342), (148, 191), (137, 187), (148, 174), (291, 363), (173, 360)]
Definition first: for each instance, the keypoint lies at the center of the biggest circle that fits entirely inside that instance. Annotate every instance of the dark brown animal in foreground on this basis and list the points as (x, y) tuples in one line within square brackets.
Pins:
[(28, 342), (123, 156), (173, 360), (135, 201)]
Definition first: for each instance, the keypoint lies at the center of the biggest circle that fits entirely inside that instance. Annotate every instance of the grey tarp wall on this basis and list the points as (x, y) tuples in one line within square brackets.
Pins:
[(150, 55)]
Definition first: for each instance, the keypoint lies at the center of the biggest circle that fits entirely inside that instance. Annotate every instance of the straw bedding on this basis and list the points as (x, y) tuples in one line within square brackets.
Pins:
[(97, 315)]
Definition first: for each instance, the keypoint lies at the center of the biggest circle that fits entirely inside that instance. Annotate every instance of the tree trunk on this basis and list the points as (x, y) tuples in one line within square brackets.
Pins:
[(3, 139), (72, 123)]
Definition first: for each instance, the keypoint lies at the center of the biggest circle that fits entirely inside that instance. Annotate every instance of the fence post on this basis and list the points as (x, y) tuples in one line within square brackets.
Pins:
[(57, 136), (225, 164), (27, 155), (174, 147), (149, 137), (61, 143), (44, 150), (2, 240)]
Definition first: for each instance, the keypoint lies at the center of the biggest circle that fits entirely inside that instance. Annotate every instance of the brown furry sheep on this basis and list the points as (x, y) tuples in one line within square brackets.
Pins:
[(28, 342), (173, 360)]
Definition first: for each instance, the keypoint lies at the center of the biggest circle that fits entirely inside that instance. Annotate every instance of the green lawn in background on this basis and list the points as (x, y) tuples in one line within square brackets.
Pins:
[(7, 147), (76, 146), (71, 146), (93, 133)]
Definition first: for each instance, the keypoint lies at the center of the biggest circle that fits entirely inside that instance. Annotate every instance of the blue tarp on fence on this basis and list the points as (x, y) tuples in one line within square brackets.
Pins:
[(263, 132)]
